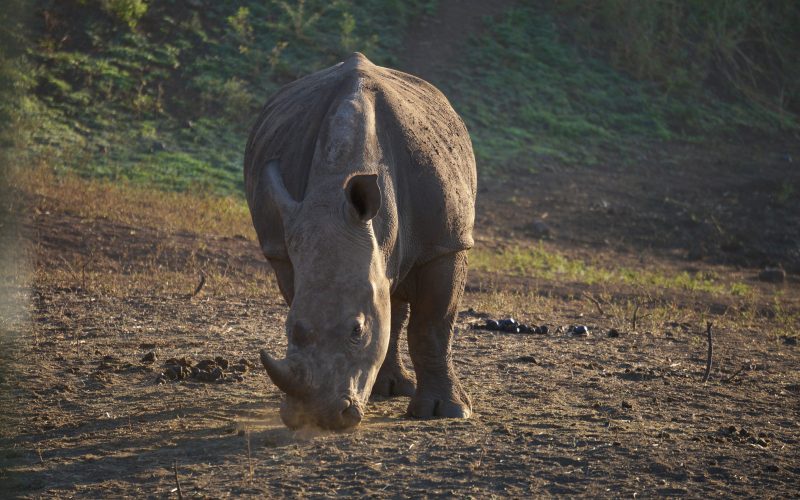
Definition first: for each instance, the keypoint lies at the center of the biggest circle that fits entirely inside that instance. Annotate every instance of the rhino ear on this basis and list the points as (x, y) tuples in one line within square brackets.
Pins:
[(364, 195)]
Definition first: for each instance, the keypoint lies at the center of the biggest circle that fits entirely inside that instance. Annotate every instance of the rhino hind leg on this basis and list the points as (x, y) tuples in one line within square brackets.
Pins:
[(437, 292), (393, 379)]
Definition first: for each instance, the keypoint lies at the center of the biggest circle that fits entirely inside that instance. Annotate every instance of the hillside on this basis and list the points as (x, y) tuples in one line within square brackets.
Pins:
[(164, 92)]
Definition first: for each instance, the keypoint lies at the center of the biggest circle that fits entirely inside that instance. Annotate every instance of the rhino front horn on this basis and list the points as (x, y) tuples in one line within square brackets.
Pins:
[(283, 374), (287, 206)]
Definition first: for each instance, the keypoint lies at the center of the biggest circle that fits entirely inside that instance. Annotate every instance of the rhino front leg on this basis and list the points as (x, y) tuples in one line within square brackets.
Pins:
[(438, 288), (393, 379)]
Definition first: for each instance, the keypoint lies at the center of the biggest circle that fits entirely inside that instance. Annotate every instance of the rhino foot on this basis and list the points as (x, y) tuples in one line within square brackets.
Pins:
[(456, 404), (393, 382)]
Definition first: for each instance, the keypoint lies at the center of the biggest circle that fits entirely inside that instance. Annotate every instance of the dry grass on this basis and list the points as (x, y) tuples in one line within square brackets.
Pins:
[(122, 202)]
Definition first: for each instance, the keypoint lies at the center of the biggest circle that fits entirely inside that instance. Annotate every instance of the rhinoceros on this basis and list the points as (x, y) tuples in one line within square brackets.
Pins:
[(361, 184)]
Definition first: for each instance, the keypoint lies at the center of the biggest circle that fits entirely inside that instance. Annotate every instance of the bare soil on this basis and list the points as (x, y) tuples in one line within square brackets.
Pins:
[(84, 415)]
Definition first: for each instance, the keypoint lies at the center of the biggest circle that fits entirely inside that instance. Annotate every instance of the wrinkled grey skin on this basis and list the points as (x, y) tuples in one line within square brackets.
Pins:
[(361, 185)]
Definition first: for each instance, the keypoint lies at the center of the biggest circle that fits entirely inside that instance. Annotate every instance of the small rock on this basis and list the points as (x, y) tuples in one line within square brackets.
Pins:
[(772, 275), (508, 321), (579, 330), (527, 359), (150, 357), (613, 333), (509, 325), (626, 405), (525, 329), (171, 374), (540, 229), (492, 325), (543, 330)]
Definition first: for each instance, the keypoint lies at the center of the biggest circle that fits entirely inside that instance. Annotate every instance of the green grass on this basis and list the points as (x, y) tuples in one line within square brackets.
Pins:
[(530, 97), (536, 261), (164, 93)]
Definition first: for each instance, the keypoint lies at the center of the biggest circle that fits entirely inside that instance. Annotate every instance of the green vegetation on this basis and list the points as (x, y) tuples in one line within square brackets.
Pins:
[(742, 49), (529, 96), (539, 262), (164, 92)]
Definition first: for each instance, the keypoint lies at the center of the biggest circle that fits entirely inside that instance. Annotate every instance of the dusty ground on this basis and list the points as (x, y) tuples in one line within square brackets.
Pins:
[(555, 414)]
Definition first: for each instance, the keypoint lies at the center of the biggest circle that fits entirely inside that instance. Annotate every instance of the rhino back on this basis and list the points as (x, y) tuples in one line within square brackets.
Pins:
[(428, 173)]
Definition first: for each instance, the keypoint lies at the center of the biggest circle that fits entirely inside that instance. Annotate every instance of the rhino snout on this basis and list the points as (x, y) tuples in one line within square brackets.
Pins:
[(339, 415)]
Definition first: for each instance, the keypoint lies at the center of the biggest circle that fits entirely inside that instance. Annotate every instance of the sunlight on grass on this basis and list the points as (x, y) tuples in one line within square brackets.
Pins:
[(195, 211), (550, 265)]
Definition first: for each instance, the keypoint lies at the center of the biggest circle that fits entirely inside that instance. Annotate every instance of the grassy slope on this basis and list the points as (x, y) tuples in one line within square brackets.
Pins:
[(166, 98), (529, 97)]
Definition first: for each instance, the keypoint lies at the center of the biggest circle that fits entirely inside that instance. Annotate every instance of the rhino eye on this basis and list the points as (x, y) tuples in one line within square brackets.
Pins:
[(357, 332)]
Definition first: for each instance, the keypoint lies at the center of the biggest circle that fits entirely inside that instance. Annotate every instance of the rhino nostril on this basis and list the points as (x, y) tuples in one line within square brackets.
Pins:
[(350, 412), (344, 404)]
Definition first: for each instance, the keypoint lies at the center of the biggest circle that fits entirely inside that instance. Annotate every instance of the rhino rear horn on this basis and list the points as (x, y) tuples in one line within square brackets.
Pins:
[(287, 206), (364, 195), (284, 374)]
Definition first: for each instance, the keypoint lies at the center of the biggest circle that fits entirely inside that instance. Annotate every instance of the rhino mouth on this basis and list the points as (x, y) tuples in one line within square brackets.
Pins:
[(338, 415), (302, 406)]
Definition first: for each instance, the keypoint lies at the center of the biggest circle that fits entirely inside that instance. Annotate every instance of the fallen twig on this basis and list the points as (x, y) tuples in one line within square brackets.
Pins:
[(199, 285), (177, 483), (597, 304), (710, 352), (249, 459), (737, 372)]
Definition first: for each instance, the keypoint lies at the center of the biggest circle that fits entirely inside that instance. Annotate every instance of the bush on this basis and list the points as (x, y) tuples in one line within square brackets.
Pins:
[(127, 11), (739, 48)]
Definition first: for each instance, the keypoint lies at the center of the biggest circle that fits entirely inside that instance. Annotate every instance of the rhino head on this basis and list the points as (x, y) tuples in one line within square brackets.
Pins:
[(339, 317)]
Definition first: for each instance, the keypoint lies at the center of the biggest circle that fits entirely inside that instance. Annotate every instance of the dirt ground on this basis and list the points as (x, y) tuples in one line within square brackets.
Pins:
[(83, 415)]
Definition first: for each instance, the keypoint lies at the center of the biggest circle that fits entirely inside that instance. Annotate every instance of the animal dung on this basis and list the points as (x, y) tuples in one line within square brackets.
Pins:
[(214, 370), (510, 325)]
